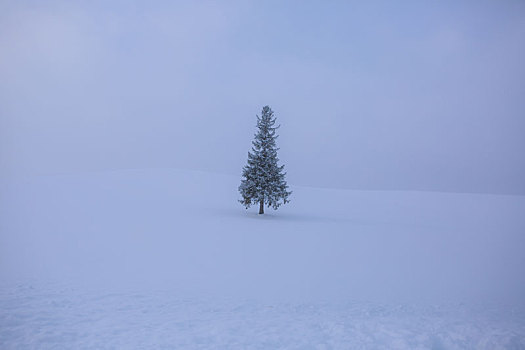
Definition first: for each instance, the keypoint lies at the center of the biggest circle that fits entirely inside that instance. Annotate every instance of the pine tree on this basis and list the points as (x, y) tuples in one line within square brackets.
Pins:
[(263, 179)]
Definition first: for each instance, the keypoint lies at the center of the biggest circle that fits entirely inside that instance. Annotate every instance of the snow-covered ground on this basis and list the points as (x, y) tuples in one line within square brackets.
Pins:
[(69, 318), (169, 259)]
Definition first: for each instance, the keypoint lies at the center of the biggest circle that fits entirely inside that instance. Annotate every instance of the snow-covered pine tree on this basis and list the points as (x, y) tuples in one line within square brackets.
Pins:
[(263, 179)]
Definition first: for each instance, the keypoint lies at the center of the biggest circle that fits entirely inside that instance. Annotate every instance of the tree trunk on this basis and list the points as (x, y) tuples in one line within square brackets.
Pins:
[(261, 207)]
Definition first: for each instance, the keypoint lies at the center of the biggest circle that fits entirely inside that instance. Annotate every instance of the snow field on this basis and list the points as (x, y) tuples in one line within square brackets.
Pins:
[(168, 259)]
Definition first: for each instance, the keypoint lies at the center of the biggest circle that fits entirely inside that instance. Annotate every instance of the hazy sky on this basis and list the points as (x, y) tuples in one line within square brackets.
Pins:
[(373, 95)]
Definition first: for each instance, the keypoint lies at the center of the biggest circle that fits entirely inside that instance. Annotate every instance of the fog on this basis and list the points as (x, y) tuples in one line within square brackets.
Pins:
[(407, 96), (124, 127)]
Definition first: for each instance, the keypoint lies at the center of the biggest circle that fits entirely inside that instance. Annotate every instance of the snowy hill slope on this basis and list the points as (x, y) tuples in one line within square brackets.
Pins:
[(178, 237)]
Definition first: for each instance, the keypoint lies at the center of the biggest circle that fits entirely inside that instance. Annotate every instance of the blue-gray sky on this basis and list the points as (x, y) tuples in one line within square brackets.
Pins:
[(371, 95)]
